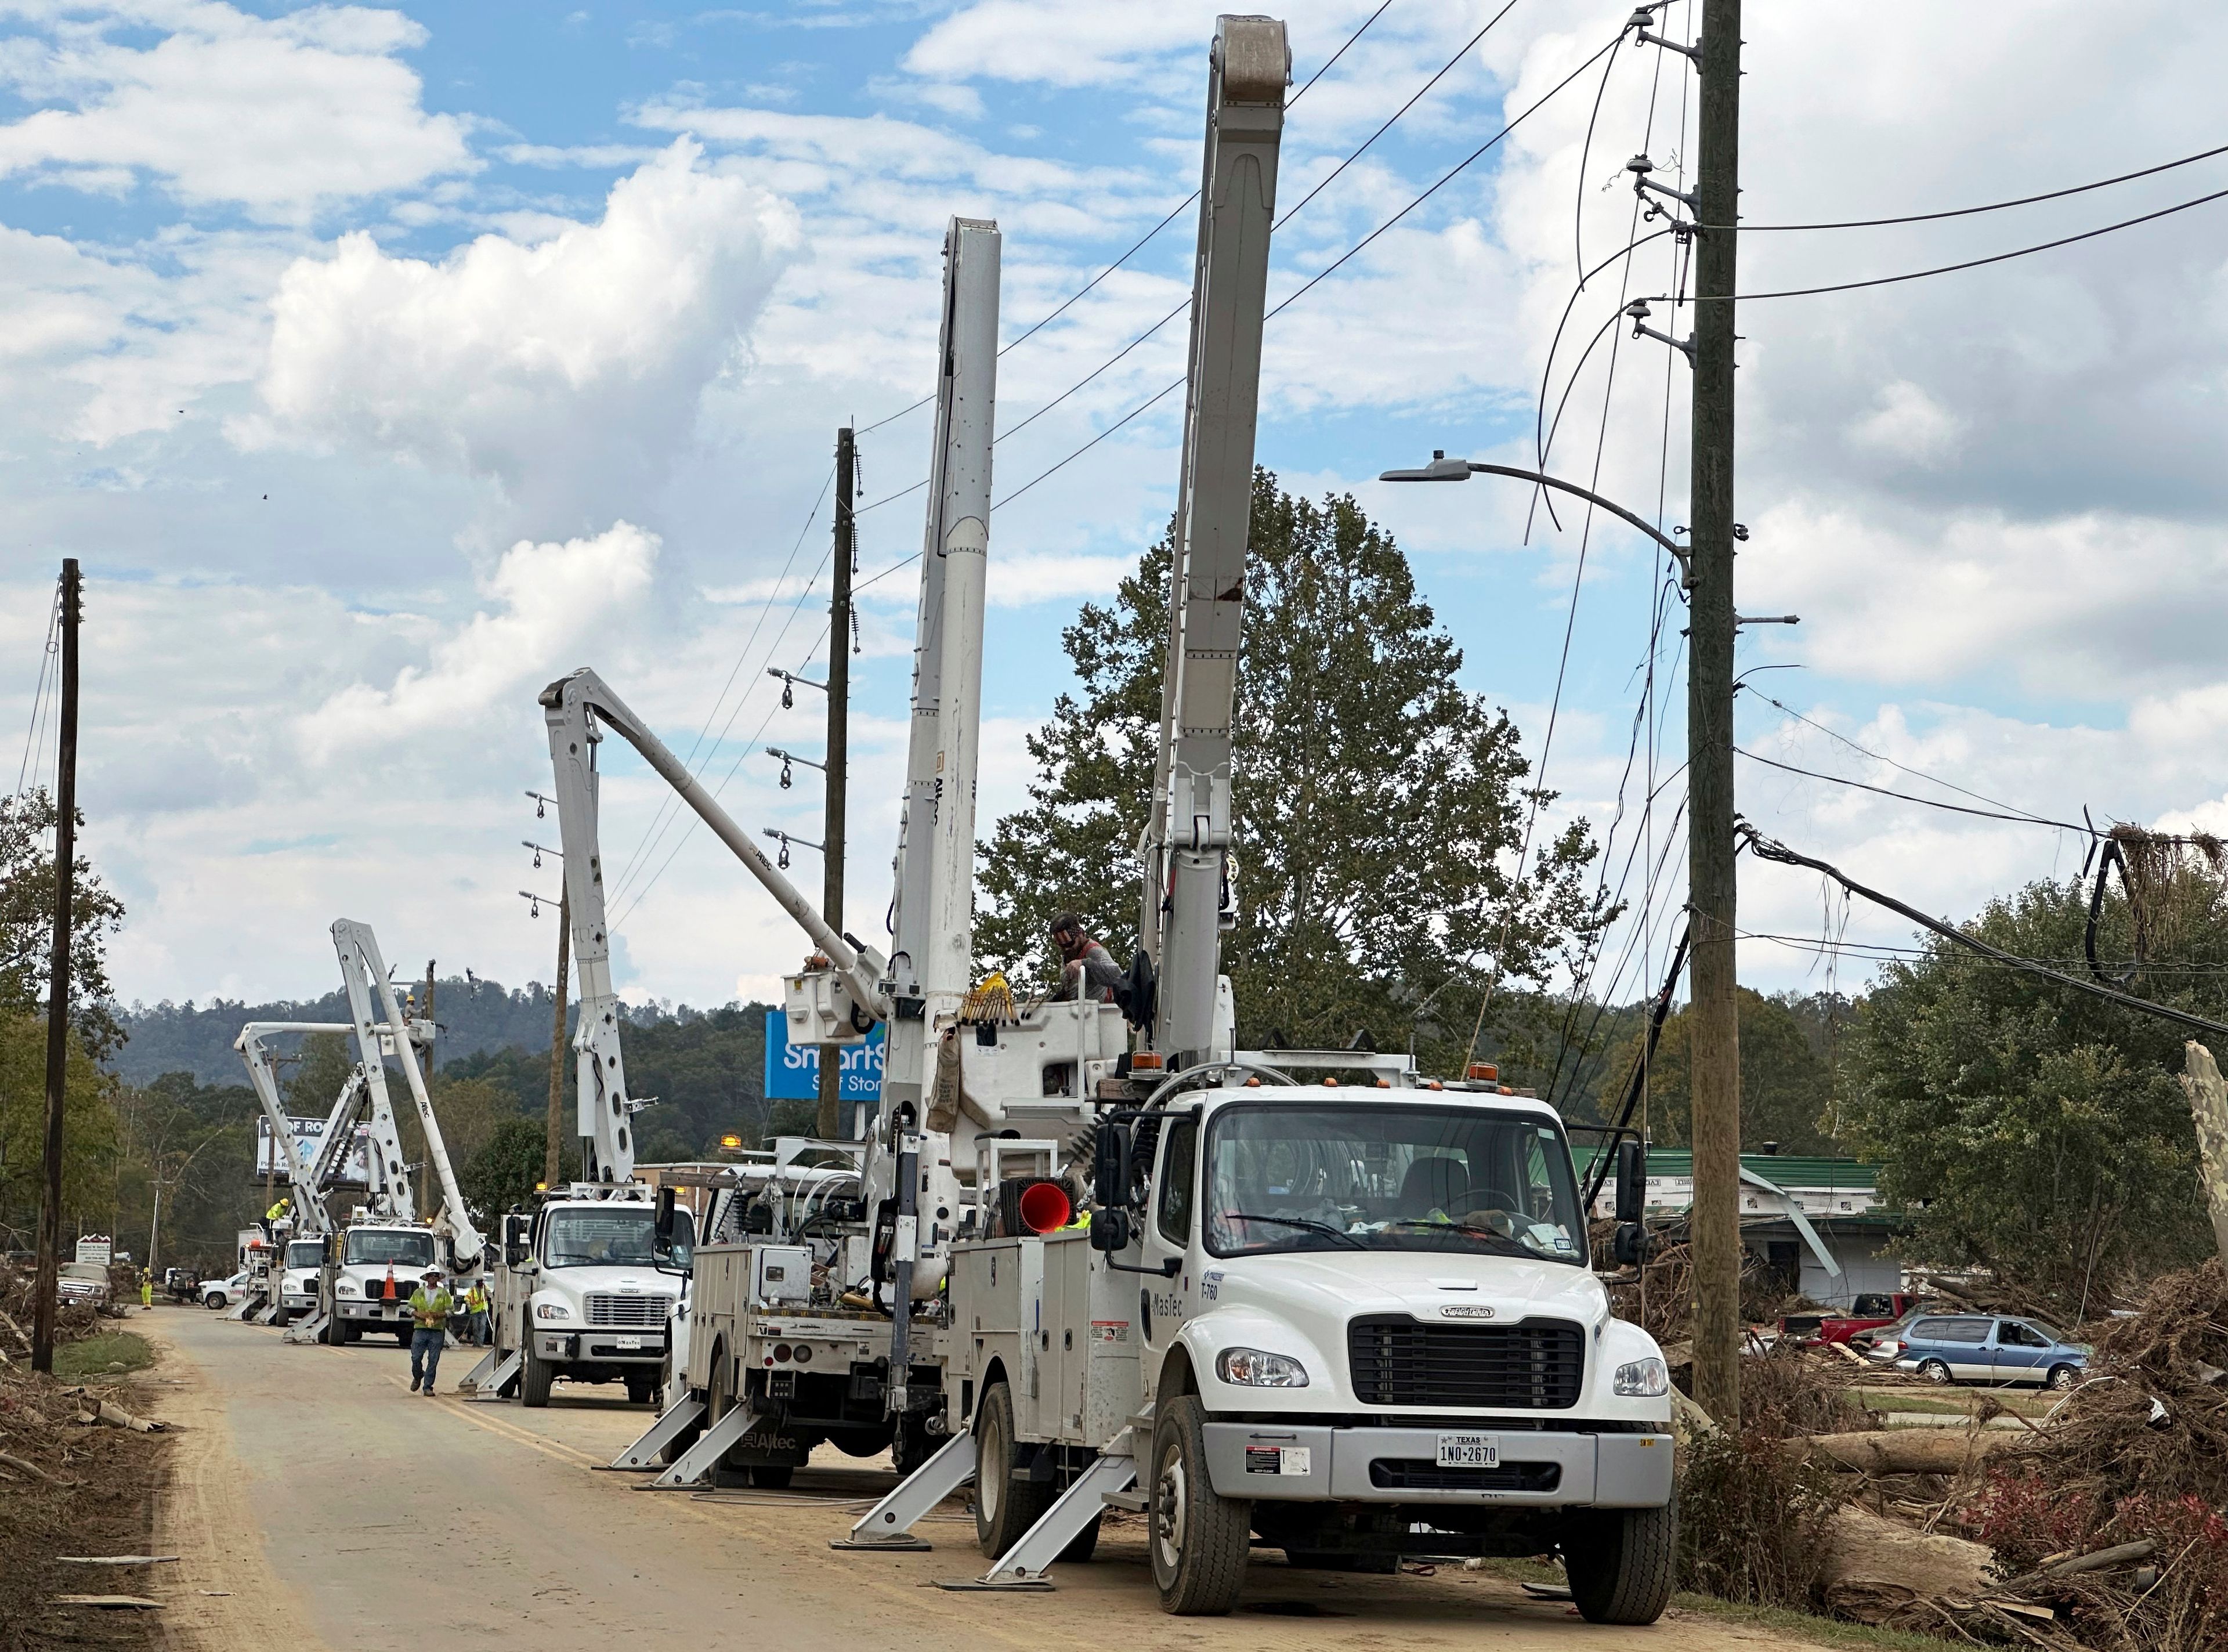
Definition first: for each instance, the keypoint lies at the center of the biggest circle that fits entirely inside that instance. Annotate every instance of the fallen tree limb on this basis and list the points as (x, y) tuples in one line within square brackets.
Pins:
[(7, 1460), (1905, 1450), (1877, 1568), (2119, 1554)]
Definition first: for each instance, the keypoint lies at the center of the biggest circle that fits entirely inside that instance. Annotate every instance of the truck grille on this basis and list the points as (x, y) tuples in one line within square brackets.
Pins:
[(1422, 1473), (647, 1313), (1536, 1365)]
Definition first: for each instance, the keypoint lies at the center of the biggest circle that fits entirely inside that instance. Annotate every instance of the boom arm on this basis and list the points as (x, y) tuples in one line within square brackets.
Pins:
[(310, 1221), (379, 1025), (1185, 852), (577, 708)]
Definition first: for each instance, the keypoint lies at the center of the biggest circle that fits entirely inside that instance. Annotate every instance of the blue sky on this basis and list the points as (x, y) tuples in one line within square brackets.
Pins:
[(382, 362)]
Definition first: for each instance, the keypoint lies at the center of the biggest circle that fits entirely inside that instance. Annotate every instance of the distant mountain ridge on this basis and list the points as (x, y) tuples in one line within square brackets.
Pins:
[(474, 1016)]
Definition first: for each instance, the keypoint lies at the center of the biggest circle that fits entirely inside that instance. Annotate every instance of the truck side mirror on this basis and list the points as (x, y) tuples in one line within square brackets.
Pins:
[(1110, 1170), (1631, 1180), (1109, 1230), (1631, 1244), (662, 1224)]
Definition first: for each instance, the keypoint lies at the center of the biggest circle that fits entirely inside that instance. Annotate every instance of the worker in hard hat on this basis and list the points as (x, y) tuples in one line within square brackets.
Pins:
[(277, 1213), (430, 1306), (476, 1313), (147, 1289), (1087, 969)]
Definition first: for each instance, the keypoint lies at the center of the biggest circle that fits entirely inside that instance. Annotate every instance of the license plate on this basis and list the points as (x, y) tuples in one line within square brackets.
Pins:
[(1470, 1451), (632, 1342)]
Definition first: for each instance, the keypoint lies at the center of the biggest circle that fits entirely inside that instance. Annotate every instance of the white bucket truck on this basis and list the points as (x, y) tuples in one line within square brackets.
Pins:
[(587, 1287)]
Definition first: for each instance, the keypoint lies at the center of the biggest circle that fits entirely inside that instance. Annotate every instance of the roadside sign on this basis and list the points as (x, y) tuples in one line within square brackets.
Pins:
[(793, 1071), (309, 1136)]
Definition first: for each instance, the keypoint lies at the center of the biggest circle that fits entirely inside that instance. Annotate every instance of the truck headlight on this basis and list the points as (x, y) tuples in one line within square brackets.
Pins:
[(1251, 1368), (345, 1288), (558, 1311), (1642, 1380)]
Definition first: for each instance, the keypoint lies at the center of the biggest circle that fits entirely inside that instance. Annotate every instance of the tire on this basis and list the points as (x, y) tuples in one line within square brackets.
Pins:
[(213, 1302), (534, 1376), (672, 1451), (641, 1391), (1199, 1540), (1934, 1371), (1623, 1563), (1005, 1508), (402, 1337), (2063, 1377), (348, 1334)]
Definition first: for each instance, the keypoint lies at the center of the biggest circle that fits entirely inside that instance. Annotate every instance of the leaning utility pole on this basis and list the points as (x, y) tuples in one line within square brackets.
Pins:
[(552, 1155), (1715, 1219), (831, 1123), (50, 1205)]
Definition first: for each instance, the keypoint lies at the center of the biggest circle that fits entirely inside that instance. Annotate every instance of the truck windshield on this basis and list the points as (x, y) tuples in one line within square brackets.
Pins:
[(1384, 1177), (379, 1247), (623, 1236), (305, 1253)]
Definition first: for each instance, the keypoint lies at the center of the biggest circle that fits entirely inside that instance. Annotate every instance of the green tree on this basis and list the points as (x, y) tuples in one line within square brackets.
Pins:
[(90, 1148), (1379, 807), (2031, 1128), (1785, 1087), (505, 1171), (27, 920), (320, 1067)]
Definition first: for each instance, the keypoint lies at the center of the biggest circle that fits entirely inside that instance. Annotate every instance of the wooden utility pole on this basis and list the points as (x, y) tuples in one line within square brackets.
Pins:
[(553, 1157), (1710, 875), (830, 1123), (58, 997)]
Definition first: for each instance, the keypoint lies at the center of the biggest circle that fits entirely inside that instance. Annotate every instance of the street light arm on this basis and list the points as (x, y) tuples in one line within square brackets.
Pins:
[(1446, 470)]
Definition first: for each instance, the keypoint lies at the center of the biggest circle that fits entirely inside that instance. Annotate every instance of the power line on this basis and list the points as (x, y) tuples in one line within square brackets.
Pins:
[(1876, 757), (1905, 797), (1951, 269), (1445, 69), (1993, 206), (39, 694), (1139, 244)]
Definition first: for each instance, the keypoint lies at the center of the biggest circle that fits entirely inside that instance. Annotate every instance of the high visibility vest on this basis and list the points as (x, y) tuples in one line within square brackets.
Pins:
[(476, 1300), (431, 1308), (277, 1210)]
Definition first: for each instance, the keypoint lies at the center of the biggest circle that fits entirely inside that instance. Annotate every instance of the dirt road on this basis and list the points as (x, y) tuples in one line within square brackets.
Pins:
[(317, 1503)]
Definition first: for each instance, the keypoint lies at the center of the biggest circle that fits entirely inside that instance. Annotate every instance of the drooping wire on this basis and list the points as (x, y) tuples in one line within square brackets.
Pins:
[(671, 801), (47, 654)]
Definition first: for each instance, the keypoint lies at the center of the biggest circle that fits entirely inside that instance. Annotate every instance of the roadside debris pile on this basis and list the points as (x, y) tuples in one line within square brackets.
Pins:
[(2098, 1524), (72, 1320), (78, 1466)]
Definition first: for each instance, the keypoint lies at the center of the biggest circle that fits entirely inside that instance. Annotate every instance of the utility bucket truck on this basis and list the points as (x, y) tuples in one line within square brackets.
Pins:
[(1349, 1318)]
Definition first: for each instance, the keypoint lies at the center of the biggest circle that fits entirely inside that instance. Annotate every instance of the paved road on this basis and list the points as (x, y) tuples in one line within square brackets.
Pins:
[(317, 1503)]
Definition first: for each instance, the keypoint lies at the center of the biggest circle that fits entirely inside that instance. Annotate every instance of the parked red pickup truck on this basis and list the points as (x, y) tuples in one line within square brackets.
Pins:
[(1868, 1313)]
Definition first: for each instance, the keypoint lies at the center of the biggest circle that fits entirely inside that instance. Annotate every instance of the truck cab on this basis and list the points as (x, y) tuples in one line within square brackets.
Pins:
[(1358, 1322), (588, 1288), (373, 1253), (298, 1279)]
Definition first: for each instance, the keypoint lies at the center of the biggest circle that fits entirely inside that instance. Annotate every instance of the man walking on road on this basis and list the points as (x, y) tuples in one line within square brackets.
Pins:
[(429, 1312)]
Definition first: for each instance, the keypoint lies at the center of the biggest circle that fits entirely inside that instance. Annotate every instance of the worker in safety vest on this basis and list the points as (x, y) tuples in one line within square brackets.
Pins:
[(476, 1313), (277, 1213), (430, 1307), (147, 1289)]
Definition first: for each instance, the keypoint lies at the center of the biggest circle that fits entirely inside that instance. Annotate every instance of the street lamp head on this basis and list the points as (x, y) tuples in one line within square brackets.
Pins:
[(1441, 469)]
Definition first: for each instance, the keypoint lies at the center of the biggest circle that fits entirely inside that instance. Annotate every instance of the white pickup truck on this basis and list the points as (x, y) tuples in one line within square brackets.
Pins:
[(587, 1288), (1348, 1322), (382, 1261)]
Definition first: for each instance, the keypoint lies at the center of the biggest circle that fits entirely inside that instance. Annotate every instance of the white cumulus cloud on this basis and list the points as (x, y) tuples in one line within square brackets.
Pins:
[(549, 366), (547, 597)]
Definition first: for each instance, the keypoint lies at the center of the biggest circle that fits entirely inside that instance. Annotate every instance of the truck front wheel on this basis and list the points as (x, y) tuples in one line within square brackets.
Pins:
[(1005, 1508), (1200, 1540), (534, 1376), (1622, 1562)]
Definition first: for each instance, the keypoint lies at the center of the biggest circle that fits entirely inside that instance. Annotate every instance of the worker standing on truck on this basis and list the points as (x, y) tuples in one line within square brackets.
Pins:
[(1087, 969), (429, 1312)]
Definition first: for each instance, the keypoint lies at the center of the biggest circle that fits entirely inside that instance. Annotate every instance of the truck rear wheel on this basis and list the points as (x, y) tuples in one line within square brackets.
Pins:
[(534, 1376), (1622, 1562), (1200, 1540), (1005, 1508)]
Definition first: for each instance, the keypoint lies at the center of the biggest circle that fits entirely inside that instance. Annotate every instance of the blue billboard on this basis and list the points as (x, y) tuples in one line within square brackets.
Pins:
[(793, 1071)]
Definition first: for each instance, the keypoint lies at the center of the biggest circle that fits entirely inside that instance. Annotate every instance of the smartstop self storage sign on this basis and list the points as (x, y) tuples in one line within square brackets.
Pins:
[(793, 1071)]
